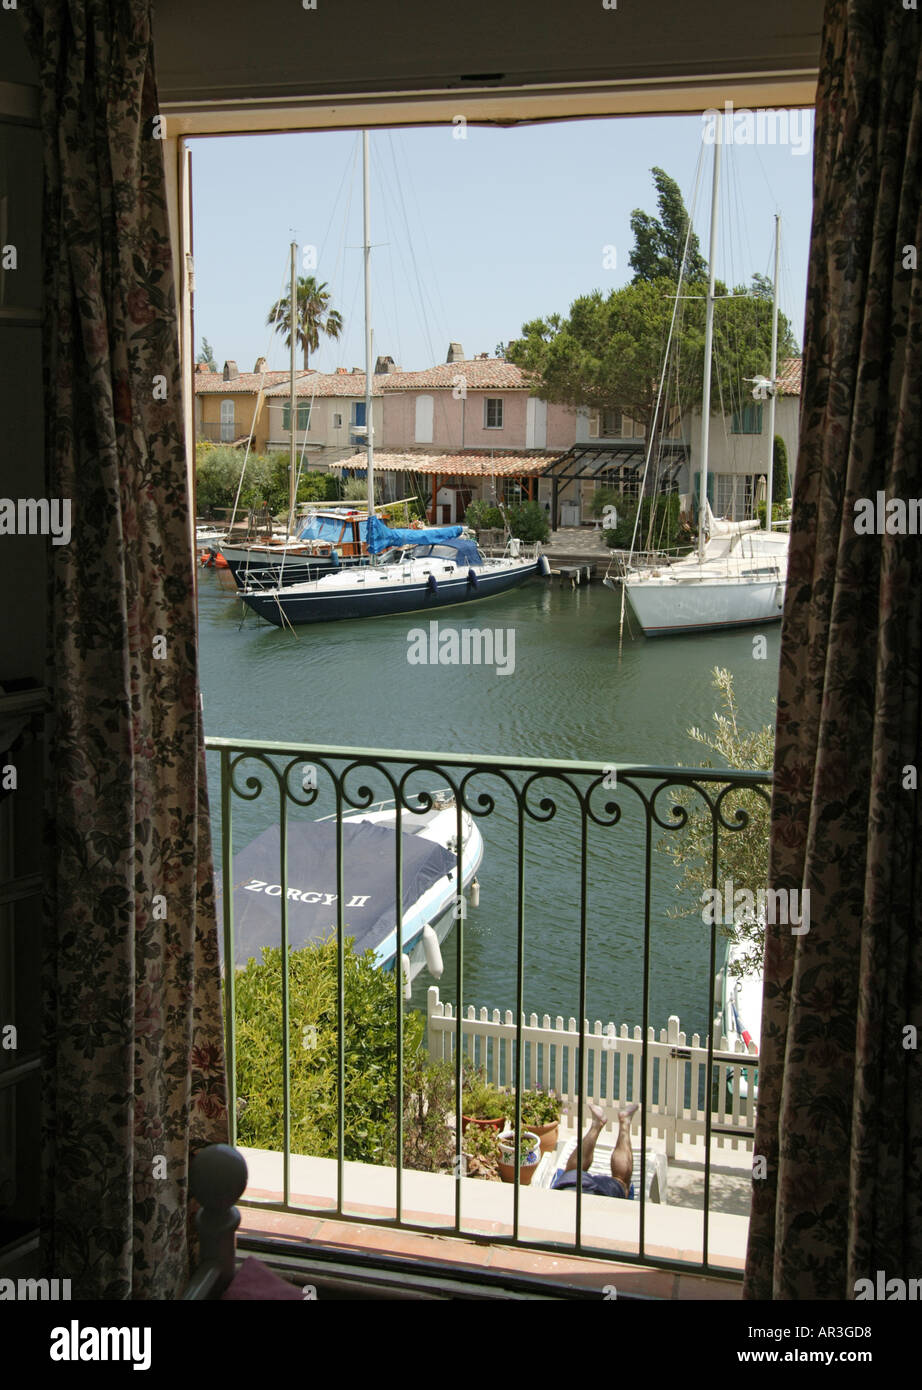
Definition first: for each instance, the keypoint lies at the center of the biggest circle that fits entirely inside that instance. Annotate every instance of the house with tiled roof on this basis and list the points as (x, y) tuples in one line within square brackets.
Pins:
[(739, 448), (468, 428), (330, 414), (229, 403)]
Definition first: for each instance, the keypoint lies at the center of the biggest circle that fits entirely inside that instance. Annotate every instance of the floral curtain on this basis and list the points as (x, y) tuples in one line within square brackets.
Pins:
[(133, 1066), (840, 1099)]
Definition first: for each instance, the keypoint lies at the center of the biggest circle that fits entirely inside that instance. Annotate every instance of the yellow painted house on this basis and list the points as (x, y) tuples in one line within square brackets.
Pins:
[(226, 403)]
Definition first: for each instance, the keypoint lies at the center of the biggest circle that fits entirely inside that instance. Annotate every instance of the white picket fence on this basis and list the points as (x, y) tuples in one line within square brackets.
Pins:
[(676, 1086)]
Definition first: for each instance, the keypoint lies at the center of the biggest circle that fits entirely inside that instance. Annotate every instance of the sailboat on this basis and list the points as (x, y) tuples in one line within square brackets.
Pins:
[(418, 569), (328, 537), (738, 574)]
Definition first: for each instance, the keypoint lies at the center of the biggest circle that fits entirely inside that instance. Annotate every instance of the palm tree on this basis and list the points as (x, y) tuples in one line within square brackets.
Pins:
[(314, 316)]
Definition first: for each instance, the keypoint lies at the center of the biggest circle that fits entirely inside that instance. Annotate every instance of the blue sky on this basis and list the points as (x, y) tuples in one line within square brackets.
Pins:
[(472, 236)]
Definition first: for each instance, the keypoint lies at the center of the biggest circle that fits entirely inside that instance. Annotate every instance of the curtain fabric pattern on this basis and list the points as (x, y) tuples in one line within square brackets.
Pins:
[(840, 1100), (134, 1064)]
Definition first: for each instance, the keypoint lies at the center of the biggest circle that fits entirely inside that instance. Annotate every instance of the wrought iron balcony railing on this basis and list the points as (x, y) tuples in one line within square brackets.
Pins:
[(224, 432), (581, 892)]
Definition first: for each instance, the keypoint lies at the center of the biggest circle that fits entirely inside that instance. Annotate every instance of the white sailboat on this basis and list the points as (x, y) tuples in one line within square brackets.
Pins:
[(738, 574), (418, 570)]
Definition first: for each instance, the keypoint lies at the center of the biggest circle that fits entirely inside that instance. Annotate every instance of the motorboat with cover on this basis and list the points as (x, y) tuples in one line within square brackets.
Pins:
[(420, 570), (430, 902)]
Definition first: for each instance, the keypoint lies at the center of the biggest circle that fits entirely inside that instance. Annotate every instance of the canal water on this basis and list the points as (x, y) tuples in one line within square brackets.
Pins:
[(568, 696)]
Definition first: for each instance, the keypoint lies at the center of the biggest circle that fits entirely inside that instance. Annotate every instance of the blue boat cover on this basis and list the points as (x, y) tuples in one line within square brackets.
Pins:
[(327, 528), (381, 537), (369, 861)]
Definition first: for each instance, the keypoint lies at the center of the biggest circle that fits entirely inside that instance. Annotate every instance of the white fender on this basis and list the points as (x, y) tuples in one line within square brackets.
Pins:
[(407, 984), (433, 952), (475, 892)]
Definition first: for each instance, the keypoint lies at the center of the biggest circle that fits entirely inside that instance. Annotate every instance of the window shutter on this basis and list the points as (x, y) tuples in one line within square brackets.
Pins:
[(593, 424)]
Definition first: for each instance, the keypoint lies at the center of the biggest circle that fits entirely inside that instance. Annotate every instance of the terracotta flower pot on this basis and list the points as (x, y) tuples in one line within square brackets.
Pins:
[(482, 1124), (547, 1134), (507, 1172)]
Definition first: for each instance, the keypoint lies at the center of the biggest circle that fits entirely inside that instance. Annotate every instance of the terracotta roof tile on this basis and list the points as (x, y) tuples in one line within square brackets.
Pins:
[(492, 374), (330, 384), (210, 383), (789, 376), (501, 464)]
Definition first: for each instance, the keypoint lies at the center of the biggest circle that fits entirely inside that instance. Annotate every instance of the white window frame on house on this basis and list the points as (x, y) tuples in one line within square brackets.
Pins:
[(734, 495), (512, 491), (488, 402), (616, 480)]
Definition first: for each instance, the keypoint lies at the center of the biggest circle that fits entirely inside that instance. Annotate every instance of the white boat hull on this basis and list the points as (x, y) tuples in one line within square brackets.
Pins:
[(667, 606)]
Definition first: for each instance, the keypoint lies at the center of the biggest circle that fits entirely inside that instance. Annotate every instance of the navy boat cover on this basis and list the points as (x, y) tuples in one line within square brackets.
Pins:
[(369, 862)]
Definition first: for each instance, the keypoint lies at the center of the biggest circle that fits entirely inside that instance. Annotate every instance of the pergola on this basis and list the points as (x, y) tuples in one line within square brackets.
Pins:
[(625, 458), (443, 468)]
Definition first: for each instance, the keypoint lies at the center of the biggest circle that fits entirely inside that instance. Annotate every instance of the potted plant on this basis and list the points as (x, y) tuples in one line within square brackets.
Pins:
[(541, 1114), (481, 1102), (482, 1151), (528, 1154)]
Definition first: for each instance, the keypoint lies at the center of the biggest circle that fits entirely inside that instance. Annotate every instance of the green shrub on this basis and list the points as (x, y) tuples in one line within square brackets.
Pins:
[(668, 531), (319, 487), (780, 483), (481, 1144), (539, 1107), (483, 516), (607, 497), (356, 490), (370, 1053), (480, 1099), (429, 1097), (780, 511), (217, 474), (528, 521)]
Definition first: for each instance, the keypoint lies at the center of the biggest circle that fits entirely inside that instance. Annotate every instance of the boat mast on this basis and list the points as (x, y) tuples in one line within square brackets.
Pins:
[(369, 442), (709, 340), (774, 369), (292, 411)]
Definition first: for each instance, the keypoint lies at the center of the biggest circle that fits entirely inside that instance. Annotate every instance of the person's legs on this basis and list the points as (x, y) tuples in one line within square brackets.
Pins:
[(587, 1148), (622, 1157)]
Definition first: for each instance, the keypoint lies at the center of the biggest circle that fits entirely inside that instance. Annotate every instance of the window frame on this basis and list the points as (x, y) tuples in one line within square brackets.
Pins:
[(494, 401)]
